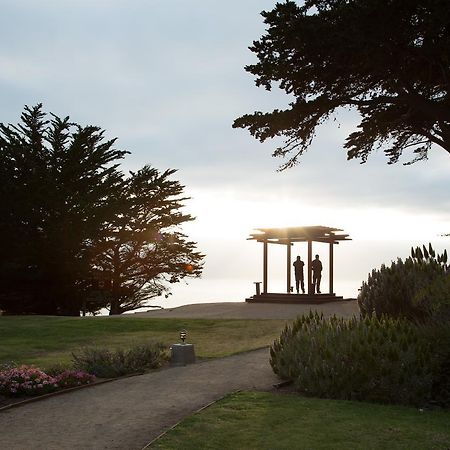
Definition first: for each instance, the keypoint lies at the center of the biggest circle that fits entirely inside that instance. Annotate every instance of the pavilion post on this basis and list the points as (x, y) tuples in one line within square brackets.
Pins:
[(310, 292), (265, 268), (331, 267), (290, 236), (288, 266)]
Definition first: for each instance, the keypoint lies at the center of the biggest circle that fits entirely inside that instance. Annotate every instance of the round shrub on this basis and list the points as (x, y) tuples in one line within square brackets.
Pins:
[(405, 289), (375, 359)]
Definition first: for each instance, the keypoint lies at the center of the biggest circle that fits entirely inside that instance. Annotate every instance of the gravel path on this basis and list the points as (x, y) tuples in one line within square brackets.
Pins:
[(127, 414)]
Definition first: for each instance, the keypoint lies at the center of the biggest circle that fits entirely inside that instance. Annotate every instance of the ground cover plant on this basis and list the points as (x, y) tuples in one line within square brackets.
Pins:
[(27, 381), (46, 341), (267, 421)]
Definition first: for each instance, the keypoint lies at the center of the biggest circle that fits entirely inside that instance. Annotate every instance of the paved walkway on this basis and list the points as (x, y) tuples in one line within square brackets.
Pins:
[(127, 414)]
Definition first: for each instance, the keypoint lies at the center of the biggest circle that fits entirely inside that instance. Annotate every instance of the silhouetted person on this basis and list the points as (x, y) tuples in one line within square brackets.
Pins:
[(316, 266), (299, 280)]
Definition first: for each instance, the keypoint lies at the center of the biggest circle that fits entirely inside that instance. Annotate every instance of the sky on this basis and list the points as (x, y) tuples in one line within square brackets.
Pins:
[(167, 79)]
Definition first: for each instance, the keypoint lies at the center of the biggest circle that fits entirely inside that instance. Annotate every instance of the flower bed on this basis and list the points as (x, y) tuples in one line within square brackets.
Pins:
[(30, 381)]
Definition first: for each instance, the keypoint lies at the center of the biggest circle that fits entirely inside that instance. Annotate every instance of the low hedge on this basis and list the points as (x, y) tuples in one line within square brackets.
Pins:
[(106, 363), (374, 359)]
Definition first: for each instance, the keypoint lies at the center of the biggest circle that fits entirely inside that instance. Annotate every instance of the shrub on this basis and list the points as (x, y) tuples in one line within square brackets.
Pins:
[(405, 289), (27, 380), (56, 369), (375, 359), (72, 378), (434, 299), (438, 333), (105, 363)]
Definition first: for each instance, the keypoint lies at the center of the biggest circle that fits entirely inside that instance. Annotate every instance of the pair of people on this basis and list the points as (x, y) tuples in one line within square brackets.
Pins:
[(316, 267)]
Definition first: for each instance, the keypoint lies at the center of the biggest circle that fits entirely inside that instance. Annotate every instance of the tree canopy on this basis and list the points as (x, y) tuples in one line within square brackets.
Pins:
[(142, 248), (64, 204), (388, 59)]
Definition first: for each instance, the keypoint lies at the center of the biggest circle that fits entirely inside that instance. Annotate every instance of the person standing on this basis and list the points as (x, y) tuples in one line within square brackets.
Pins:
[(316, 266), (299, 279)]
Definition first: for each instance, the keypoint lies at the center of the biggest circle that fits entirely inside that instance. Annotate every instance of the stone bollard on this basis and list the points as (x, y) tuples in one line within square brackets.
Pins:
[(182, 354)]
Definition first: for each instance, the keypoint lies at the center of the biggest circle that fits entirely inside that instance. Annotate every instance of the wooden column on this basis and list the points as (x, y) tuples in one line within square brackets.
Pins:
[(331, 267), (265, 268), (309, 290), (288, 267)]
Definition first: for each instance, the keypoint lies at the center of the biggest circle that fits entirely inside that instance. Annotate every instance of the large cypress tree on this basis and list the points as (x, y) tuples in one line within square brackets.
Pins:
[(56, 182), (388, 60), (143, 249), (63, 202)]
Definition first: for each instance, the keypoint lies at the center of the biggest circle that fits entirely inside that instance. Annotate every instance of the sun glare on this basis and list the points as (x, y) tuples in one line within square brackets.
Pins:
[(229, 217)]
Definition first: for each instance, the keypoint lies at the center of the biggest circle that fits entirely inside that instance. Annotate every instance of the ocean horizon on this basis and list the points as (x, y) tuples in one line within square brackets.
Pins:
[(232, 290)]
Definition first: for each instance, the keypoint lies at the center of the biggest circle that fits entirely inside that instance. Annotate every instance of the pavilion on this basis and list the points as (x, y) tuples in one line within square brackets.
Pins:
[(287, 237)]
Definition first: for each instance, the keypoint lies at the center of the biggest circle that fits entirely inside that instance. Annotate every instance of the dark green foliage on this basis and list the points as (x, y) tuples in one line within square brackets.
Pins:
[(142, 248), (386, 59), (438, 332), (105, 363), (381, 360), (75, 233), (57, 179), (415, 288)]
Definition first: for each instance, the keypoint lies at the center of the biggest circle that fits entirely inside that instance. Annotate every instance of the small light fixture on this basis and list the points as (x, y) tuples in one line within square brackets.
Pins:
[(183, 335)]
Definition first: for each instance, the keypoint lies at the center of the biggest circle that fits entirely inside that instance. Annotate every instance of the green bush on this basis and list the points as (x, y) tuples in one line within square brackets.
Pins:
[(383, 359), (105, 363), (438, 333), (434, 299), (56, 369), (415, 288)]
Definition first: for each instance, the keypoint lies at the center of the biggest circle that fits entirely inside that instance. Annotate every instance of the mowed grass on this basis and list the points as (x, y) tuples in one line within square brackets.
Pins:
[(279, 421), (45, 341)]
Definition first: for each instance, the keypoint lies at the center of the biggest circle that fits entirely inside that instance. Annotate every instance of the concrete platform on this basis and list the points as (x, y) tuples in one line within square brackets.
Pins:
[(314, 299)]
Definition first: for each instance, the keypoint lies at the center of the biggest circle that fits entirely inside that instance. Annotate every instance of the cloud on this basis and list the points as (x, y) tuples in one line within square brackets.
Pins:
[(168, 80)]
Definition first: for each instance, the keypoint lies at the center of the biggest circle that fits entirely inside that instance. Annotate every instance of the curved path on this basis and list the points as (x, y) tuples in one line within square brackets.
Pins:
[(127, 414)]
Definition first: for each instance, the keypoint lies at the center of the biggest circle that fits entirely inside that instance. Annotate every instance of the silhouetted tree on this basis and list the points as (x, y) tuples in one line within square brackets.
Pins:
[(143, 250), (61, 198), (57, 178), (388, 59)]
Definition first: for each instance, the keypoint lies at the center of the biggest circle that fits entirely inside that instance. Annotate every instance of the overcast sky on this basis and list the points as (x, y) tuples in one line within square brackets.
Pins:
[(168, 79)]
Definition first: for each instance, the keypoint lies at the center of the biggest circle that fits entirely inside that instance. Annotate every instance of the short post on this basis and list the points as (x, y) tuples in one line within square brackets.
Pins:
[(182, 354), (258, 287)]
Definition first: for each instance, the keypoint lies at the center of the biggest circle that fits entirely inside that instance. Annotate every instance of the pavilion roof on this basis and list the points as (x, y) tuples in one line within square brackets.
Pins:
[(299, 234)]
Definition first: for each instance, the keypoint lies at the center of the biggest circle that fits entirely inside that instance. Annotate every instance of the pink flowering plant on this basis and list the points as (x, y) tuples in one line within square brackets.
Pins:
[(28, 380), (72, 378)]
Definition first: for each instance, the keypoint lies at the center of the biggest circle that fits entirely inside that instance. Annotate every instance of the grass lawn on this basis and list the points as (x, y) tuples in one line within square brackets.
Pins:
[(44, 341), (280, 421)]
